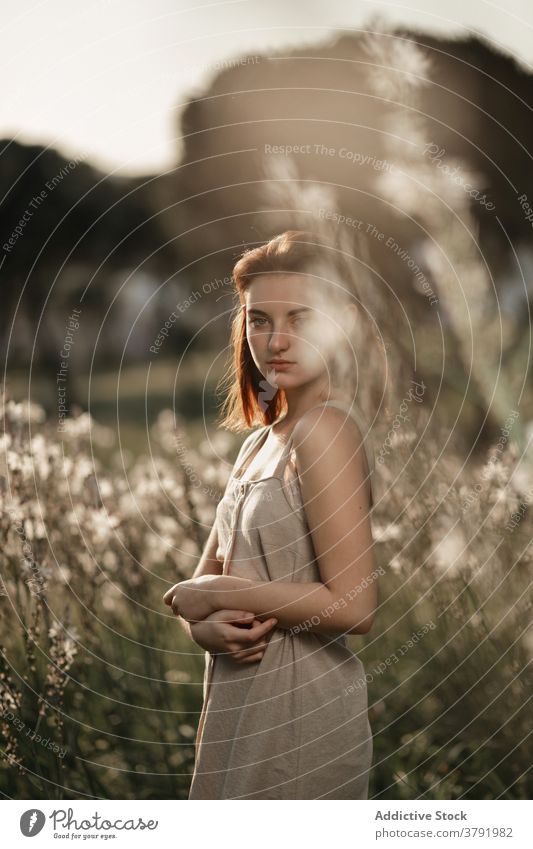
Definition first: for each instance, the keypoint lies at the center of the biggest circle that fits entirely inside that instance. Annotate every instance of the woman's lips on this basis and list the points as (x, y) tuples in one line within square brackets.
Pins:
[(280, 366)]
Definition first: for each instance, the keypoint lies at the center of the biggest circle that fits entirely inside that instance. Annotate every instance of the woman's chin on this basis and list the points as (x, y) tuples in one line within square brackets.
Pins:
[(283, 381)]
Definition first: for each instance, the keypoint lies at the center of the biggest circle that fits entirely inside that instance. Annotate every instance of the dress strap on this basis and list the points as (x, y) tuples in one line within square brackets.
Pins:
[(248, 446), (258, 437)]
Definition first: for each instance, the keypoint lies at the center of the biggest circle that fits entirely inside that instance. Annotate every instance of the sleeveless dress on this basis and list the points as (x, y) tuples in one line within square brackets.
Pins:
[(293, 725)]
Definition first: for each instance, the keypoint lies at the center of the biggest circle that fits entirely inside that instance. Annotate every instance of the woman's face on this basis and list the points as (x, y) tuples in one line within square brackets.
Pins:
[(295, 318)]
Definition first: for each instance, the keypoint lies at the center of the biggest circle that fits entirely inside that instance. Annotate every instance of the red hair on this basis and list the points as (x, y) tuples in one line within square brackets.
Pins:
[(294, 251)]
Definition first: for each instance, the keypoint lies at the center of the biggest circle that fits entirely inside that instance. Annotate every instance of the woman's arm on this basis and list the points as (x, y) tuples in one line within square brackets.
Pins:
[(304, 606), (336, 502), (207, 565)]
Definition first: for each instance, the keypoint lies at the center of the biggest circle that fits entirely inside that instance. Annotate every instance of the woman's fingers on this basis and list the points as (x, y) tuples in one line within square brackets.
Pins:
[(249, 636), (232, 617), (250, 658), (263, 627), (246, 645), (169, 595), (249, 651)]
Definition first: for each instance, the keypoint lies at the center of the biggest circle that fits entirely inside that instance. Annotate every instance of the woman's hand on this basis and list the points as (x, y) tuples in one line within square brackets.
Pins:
[(193, 599), (235, 633), (197, 598)]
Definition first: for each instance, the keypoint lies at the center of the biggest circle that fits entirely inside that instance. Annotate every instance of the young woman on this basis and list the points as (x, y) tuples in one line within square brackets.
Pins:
[(288, 570)]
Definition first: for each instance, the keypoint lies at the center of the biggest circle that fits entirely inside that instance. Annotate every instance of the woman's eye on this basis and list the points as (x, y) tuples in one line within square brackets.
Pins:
[(260, 322)]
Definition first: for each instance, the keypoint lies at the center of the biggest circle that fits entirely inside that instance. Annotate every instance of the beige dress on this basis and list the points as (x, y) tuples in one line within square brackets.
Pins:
[(293, 725)]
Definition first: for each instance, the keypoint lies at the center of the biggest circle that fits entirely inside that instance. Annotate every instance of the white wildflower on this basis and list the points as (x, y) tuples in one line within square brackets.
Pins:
[(167, 525), (68, 465), (494, 470), (34, 529), (448, 551), (148, 488), (112, 596), (75, 518), (102, 525), (127, 505), (105, 487), (521, 479), (39, 451), (24, 412), (5, 441), (76, 472), (396, 564), (386, 533), (64, 646), (78, 426), (20, 462), (221, 444), (87, 562)]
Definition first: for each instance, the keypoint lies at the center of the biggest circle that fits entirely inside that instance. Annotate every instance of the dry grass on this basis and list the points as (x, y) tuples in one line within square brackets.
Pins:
[(93, 664)]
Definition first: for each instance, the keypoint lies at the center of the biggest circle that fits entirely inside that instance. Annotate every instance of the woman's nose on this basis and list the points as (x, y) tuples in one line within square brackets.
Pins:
[(278, 339)]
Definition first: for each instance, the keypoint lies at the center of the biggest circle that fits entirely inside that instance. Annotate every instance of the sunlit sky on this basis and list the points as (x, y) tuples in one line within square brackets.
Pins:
[(104, 77)]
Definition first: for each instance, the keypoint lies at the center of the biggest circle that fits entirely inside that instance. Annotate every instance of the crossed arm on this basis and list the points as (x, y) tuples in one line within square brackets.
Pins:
[(312, 606), (336, 501)]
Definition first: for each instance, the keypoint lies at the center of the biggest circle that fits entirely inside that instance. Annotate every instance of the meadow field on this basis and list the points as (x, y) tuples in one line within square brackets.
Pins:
[(101, 689)]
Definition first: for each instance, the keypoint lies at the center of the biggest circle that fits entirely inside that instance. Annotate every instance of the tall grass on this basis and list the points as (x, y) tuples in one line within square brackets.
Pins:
[(93, 665)]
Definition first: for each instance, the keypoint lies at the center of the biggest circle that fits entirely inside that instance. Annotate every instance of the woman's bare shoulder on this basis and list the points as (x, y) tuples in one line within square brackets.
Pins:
[(325, 423)]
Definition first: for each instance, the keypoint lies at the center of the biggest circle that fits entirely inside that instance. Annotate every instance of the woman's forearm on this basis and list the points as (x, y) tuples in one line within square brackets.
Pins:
[(310, 606), (186, 627)]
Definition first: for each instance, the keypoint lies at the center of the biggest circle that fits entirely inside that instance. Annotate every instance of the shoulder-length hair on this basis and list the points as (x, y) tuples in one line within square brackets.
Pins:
[(250, 398)]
